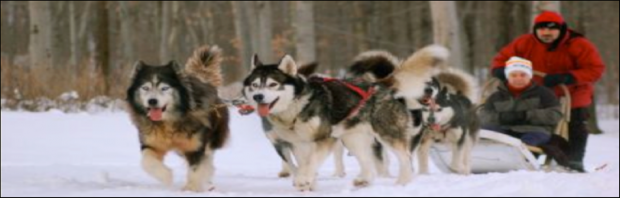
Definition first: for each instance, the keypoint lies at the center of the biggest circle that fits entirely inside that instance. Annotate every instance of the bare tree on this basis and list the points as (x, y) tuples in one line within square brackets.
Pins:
[(169, 32), (207, 22), (305, 36), (59, 36), (265, 31), (86, 18), (40, 34), (242, 29), (359, 25), (447, 31), (8, 30), (102, 45), (400, 26), (126, 30), (73, 31), (252, 14), (612, 86), (165, 26)]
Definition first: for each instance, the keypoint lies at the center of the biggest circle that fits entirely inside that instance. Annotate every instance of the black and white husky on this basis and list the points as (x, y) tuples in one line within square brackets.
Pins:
[(308, 116), (445, 97)]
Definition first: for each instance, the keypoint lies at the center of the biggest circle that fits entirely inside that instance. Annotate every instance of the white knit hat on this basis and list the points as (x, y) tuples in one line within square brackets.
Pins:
[(519, 64)]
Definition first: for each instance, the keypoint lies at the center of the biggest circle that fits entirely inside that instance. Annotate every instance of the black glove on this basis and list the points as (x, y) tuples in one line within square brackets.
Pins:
[(554, 80), (513, 118), (500, 73)]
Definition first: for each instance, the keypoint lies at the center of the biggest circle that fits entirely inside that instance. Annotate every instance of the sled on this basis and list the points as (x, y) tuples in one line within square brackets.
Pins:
[(499, 153), (494, 153)]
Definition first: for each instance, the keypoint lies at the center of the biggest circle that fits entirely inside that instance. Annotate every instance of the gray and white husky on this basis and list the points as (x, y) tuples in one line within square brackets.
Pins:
[(309, 115)]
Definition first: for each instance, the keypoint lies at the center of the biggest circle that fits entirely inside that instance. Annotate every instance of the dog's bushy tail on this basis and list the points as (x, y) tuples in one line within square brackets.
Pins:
[(428, 59), (205, 64), (373, 66)]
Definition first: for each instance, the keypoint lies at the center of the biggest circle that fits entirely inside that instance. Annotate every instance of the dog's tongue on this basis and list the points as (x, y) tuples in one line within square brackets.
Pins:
[(263, 110), (156, 114)]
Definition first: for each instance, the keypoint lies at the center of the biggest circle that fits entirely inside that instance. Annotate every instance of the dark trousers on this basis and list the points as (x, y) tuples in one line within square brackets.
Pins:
[(578, 134)]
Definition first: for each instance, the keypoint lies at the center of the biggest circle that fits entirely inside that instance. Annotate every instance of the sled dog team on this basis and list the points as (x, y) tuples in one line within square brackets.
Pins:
[(383, 104)]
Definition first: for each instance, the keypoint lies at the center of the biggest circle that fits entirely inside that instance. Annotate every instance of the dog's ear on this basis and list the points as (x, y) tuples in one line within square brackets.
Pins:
[(137, 68), (175, 66), (444, 91), (256, 62), (308, 69), (288, 65)]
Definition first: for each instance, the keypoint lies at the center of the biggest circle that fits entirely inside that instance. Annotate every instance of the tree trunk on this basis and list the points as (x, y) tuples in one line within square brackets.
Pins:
[(126, 30), (207, 24), (359, 25), (102, 46), (593, 125), (59, 41), (164, 48), (175, 45), (9, 29), (40, 45), (374, 21), (265, 31), (3, 29), (242, 29), (418, 28), (611, 88), (447, 31), (73, 34), (304, 31), (85, 22), (400, 25), (168, 31), (614, 86), (252, 17)]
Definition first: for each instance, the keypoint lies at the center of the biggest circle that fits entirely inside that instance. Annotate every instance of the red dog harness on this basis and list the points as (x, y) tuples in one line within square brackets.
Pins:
[(364, 94)]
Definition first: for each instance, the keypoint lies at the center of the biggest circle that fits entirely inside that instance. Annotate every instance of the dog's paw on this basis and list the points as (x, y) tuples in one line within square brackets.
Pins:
[(157, 170), (304, 184), (198, 188), (458, 169), (284, 174), (361, 183), (163, 175)]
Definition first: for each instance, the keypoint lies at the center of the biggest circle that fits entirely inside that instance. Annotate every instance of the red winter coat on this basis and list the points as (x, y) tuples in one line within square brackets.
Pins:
[(574, 55)]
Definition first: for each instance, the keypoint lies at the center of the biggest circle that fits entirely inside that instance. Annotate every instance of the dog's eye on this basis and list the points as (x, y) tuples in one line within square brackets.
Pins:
[(255, 85), (165, 88), (272, 85), (145, 88)]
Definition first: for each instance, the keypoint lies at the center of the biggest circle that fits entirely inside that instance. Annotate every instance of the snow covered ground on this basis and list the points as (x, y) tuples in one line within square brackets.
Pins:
[(56, 154)]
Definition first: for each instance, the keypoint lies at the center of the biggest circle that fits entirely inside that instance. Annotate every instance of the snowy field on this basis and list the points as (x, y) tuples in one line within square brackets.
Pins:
[(56, 154)]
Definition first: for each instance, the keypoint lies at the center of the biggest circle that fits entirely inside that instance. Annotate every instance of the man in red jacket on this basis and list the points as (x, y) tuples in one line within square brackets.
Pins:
[(568, 58)]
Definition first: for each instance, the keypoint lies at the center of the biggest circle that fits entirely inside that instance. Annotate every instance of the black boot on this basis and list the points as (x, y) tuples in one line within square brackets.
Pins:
[(578, 137), (577, 167), (556, 150)]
